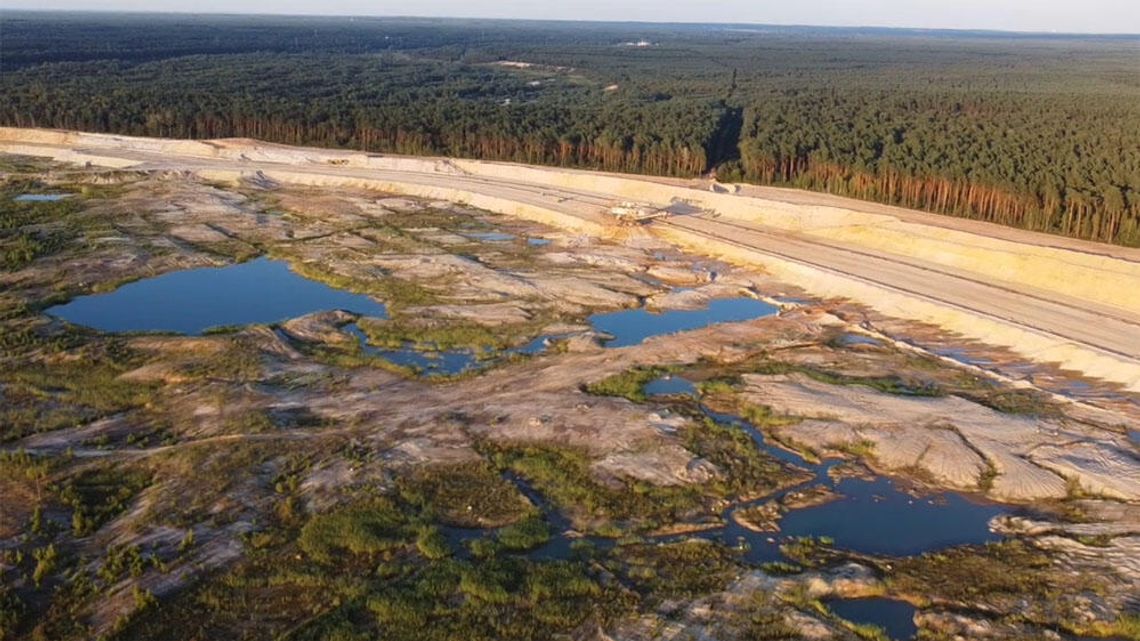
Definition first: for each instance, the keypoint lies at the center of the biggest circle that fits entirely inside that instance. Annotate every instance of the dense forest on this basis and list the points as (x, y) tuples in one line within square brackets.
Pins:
[(1030, 131)]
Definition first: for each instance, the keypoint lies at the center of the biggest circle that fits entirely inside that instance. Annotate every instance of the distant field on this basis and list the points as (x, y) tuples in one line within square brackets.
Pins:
[(1035, 132)]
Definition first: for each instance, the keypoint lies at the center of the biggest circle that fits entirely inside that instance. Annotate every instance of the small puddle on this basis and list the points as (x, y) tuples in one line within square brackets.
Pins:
[(490, 236), (632, 326), (538, 242), (963, 356), (40, 198), (447, 363), (848, 340), (536, 346), (431, 362), (670, 386), (896, 618), (193, 300)]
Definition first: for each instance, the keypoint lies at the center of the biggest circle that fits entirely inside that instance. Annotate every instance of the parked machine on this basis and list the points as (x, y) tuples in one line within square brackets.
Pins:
[(631, 213)]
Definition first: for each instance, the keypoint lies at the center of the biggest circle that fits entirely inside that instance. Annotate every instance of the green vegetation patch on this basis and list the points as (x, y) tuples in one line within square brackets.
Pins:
[(1024, 402), (98, 495), (690, 568), (1012, 578), (240, 360), (762, 620), (195, 475), (465, 494), (886, 384), (492, 599), (564, 476), (24, 484), (629, 384), (1009, 576), (395, 334), (24, 466), (809, 551), (524, 535), (69, 389), (374, 583), (11, 609), (31, 230), (746, 471), (1125, 627), (368, 529)]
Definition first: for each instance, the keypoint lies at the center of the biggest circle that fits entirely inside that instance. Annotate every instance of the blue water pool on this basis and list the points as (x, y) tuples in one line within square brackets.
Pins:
[(632, 326), (896, 618), (40, 198), (193, 300)]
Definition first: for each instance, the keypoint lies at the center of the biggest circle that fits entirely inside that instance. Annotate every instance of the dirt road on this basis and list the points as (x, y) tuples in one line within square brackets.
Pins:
[(1076, 304)]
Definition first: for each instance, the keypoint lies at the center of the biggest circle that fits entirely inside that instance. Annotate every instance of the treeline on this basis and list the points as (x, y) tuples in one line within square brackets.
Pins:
[(371, 103), (1038, 133), (1060, 166), (35, 38)]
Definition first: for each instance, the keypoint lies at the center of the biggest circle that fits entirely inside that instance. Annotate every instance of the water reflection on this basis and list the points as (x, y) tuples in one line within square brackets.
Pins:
[(632, 326), (193, 300), (896, 618), (40, 198)]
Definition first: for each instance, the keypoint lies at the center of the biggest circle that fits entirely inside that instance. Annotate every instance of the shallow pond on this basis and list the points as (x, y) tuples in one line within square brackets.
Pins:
[(632, 326), (447, 363), (429, 362), (538, 242), (894, 617), (877, 517), (193, 300), (40, 198), (871, 516), (432, 362)]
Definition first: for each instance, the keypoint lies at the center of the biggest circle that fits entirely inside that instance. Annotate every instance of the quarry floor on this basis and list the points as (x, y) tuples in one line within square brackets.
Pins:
[(918, 396)]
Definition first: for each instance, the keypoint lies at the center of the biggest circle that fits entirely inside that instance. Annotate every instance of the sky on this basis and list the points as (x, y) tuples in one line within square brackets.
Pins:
[(1072, 16)]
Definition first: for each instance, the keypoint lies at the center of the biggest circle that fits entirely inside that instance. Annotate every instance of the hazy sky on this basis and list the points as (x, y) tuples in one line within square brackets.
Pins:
[(1098, 16)]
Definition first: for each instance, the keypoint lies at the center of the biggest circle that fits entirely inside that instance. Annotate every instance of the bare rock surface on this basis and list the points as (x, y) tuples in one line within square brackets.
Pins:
[(1098, 467), (694, 298), (957, 441), (485, 314)]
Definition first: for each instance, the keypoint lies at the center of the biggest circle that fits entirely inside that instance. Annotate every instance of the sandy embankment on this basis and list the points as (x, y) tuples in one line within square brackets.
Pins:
[(1086, 275), (1037, 346), (1078, 269)]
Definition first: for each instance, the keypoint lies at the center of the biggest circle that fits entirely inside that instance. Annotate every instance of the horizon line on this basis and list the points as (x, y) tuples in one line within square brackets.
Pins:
[(978, 30)]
